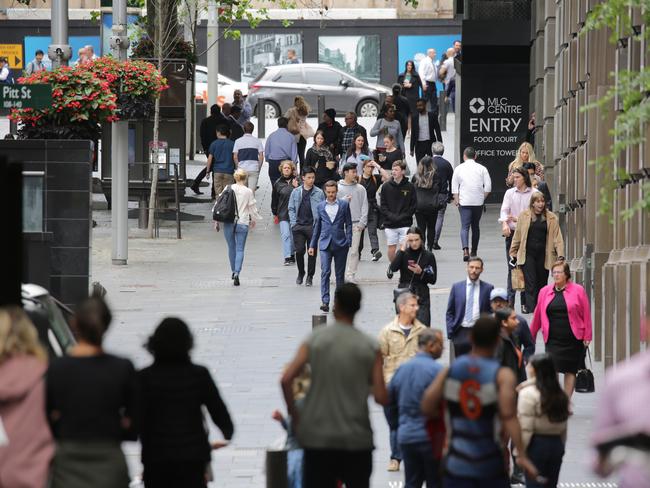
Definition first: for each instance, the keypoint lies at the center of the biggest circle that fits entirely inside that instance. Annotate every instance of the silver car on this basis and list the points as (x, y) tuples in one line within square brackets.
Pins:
[(278, 85)]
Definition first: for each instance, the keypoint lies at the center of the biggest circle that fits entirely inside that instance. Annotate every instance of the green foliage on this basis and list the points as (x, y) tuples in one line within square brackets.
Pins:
[(631, 93)]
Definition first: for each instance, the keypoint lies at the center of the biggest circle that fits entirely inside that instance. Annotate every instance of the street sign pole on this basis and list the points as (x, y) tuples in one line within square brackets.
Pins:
[(120, 150), (59, 51), (213, 54)]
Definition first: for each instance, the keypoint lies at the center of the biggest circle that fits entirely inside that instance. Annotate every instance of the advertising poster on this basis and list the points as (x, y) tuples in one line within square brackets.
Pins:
[(414, 48), (260, 50), (107, 26), (494, 116), (32, 43), (356, 55)]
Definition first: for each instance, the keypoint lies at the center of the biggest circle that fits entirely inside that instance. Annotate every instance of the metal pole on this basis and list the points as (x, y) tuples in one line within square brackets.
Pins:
[(59, 51), (261, 118), (178, 205), (120, 150), (213, 54)]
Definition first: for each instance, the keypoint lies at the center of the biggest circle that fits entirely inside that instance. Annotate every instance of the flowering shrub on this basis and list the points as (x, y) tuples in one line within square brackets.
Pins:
[(87, 95)]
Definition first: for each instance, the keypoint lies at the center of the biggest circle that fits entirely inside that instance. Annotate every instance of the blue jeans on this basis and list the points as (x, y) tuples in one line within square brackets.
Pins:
[(340, 257), (546, 453), (294, 467), (470, 216), (419, 465), (395, 452), (287, 239), (439, 221), (235, 235)]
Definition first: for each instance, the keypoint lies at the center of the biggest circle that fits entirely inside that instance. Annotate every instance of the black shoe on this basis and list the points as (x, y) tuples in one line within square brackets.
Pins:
[(436, 246), (473, 253), (524, 309), (309, 281), (465, 254), (389, 273), (517, 479), (376, 255), (287, 262), (232, 277), (325, 307), (236, 280), (196, 190), (292, 259), (299, 279)]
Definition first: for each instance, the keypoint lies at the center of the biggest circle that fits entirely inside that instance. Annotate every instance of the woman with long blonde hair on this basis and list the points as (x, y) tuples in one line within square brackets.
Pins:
[(525, 154), (298, 125), (25, 458)]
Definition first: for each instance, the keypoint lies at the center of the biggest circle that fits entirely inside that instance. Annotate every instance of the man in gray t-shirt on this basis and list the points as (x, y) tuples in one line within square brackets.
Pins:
[(333, 425)]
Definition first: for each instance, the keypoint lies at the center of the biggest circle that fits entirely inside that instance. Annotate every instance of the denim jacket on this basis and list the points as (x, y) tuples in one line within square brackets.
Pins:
[(295, 200)]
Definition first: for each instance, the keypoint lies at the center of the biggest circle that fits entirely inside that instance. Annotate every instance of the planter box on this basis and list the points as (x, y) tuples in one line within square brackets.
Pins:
[(67, 215)]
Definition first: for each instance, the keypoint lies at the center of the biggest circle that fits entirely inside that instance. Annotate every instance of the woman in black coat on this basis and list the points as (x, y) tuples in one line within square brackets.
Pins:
[(417, 270), (175, 446), (427, 187), (411, 84)]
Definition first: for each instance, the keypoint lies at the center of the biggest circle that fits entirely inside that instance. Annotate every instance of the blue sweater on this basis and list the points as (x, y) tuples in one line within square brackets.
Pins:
[(405, 390), (221, 152)]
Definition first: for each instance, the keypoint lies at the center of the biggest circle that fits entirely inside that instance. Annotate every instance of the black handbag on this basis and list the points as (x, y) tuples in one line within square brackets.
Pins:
[(585, 378)]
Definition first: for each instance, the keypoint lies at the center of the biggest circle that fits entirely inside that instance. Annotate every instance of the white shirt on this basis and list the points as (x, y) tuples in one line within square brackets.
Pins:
[(332, 209), (424, 127), (471, 181), (248, 148), (427, 70), (451, 70), (246, 204), (4, 73), (476, 305)]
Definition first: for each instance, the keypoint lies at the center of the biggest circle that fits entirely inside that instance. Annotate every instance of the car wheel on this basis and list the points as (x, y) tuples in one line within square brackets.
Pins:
[(368, 108), (271, 109)]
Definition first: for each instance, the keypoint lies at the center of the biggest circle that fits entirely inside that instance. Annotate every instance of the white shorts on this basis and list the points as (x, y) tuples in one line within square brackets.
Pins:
[(396, 236)]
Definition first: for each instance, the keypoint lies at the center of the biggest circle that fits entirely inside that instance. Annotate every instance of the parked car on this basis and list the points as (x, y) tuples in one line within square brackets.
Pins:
[(50, 317), (278, 85), (226, 86)]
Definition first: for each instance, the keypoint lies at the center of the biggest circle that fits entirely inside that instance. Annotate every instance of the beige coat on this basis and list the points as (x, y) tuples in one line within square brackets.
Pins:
[(396, 348), (531, 419), (554, 240)]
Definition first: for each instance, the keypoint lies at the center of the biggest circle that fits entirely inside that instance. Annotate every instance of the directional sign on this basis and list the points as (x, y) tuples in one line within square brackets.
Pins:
[(25, 96), (13, 53)]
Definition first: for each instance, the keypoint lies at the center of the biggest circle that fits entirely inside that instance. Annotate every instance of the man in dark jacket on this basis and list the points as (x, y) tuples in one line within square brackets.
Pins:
[(507, 352), (425, 130), (445, 172), (349, 132), (236, 130), (208, 133), (522, 336), (331, 130), (398, 205), (403, 107)]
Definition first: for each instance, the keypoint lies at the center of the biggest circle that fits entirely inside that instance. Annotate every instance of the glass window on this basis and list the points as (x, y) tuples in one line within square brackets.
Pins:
[(33, 201), (319, 76), (293, 75), (201, 76)]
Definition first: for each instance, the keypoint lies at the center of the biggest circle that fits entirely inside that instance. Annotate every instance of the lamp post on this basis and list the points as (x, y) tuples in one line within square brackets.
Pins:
[(59, 51), (213, 54)]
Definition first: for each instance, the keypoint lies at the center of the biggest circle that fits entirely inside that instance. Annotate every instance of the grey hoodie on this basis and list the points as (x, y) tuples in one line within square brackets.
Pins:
[(358, 202)]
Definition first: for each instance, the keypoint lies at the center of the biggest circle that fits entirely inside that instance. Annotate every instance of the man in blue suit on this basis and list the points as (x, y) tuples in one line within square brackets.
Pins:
[(333, 235), (468, 299)]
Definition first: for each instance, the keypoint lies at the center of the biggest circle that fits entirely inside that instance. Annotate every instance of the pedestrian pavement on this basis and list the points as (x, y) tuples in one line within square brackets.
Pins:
[(246, 335)]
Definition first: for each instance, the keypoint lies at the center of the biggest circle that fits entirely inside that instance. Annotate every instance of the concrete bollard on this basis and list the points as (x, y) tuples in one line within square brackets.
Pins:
[(318, 321), (276, 469), (261, 118)]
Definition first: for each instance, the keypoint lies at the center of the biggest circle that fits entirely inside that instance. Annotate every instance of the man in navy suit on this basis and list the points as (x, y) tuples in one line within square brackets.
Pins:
[(468, 299), (333, 235)]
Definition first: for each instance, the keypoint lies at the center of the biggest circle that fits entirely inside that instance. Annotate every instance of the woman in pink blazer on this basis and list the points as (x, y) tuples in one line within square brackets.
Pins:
[(563, 313)]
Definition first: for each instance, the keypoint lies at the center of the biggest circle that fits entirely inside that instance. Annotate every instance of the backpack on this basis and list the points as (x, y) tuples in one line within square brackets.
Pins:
[(225, 208)]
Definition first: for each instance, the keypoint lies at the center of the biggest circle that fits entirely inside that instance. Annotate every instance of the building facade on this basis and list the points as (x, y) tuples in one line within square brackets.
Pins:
[(609, 254)]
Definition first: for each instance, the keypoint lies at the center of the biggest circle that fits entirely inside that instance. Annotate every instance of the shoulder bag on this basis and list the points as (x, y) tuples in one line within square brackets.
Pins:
[(585, 378)]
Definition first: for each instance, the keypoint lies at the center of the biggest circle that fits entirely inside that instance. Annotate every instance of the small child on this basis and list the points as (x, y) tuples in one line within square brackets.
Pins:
[(295, 452)]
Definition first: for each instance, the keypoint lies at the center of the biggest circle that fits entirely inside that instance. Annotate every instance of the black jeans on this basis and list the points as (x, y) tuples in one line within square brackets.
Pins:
[(535, 276), (190, 474), (427, 223), (301, 239), (461, 341), (546, 453), (422, 148), (302, 145), (323, 468), (419, 465), (431, 95), (373, 221)]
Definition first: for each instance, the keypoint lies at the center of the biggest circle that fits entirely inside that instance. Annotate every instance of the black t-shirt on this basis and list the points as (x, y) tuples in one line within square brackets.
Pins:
[(386, 159), (305, 216), (87, 397)]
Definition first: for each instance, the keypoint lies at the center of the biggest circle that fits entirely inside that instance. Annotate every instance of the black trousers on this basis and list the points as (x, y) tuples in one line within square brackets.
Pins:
[(512, 294), (422, 148), (188, 474), (535, 277), (302, 145), (462, 341), (431, 94), (301, 238), (323, 468), (427, 223)]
